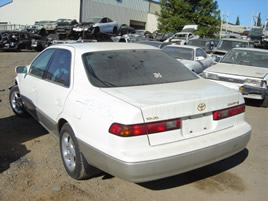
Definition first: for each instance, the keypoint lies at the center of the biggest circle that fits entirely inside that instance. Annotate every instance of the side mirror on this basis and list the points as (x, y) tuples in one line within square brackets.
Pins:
[(21, 69), (199, 58)]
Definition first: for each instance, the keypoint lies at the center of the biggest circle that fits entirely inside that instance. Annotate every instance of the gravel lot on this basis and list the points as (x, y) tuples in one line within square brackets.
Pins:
[(31, 167)]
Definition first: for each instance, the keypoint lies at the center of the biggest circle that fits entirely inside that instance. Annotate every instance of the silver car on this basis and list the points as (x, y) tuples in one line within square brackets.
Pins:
[(243, 69), (194, 58)]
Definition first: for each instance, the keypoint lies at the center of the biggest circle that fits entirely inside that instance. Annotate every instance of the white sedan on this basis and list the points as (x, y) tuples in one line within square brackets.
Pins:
[(129, 110), (243, 69), (194, 58)]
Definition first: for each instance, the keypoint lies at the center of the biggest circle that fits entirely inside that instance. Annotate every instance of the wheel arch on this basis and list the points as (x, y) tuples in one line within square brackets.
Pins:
[(61, 122)]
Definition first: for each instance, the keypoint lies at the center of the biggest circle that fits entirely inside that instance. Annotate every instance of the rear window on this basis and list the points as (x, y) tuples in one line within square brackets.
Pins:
[(179, 52), (133, 68)]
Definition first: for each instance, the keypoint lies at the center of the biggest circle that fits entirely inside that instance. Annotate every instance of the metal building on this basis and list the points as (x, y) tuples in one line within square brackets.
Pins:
[(139, 14)]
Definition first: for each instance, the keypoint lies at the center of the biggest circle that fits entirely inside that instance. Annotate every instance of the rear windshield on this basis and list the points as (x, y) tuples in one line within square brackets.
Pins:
[(133, 68), (179, 52)]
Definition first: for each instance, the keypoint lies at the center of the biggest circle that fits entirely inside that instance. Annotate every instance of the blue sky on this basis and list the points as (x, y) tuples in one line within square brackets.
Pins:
[(243, 9), (3, 2)]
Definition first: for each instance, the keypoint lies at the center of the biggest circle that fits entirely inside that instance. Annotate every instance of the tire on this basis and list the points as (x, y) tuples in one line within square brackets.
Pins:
[(16, 103), (114, 30), (96, 30), (264, 102), (74, 162)]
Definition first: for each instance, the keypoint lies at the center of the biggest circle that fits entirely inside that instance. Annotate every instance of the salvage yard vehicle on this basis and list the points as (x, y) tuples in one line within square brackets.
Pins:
[(64, 28), (130, 110), (15, 40), (245, 70), (227, 44), (95, 25), (181, 38), (207, 44), (194, 58)]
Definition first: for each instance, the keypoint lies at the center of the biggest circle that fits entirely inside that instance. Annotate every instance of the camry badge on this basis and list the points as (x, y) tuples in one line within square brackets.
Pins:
[(201, 106)]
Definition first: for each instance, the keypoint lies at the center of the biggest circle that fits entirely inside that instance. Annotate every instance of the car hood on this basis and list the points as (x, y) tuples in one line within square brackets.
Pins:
[(167, 101), (241, 70)]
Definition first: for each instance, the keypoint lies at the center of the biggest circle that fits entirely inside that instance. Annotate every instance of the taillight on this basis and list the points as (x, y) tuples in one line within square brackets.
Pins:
[(221, 114), (146, 128)]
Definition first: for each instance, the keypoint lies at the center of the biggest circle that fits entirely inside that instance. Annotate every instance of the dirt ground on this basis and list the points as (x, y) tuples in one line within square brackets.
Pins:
[(31, 167)]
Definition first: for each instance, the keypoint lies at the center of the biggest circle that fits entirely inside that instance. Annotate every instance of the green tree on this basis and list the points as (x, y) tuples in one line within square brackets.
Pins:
[(259, 20), (237, 21), (175, 14)]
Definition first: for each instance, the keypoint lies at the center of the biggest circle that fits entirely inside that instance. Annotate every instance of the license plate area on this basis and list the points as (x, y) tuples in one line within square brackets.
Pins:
[(197, 124)]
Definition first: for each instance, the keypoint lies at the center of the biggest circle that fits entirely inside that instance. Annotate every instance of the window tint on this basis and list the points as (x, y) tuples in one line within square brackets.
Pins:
[(247, 58), (40, 64), (179, 52), (200, 53), (59, 68), (133, 67)]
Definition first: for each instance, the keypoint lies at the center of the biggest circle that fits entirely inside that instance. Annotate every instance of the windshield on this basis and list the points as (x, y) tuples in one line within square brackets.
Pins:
[(256, 32), (179, 52), (94, 20), (228, 44), (179, 36), (199, 43), (120, 68), (247, 57)]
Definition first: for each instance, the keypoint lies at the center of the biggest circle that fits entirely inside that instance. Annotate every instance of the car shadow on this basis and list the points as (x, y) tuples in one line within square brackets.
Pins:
[(14, 131), (197, 174), (252, 102)]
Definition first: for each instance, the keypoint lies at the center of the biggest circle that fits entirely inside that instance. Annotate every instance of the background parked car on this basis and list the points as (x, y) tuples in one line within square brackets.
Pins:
[(243, 69), (194, 58), (227, 44), (181, 38), (206, 44), (98, 24), (15, 40)]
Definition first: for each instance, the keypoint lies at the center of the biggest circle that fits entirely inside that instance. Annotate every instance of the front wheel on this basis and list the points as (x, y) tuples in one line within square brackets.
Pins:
[(16, 102), (264, 102), (73, 160)]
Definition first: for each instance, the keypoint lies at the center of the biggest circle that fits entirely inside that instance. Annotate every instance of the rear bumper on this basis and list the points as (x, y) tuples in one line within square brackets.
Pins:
[(179, 163)]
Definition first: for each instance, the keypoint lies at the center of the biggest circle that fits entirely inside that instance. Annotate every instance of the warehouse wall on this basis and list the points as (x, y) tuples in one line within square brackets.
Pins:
[(119, 10), (29, 11)]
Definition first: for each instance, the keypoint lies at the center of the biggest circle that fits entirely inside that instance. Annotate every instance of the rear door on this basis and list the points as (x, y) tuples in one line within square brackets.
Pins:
[(54, 88)]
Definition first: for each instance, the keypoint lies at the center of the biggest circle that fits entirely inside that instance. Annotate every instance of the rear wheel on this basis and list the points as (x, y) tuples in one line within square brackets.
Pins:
[(16, 102), (115, 30), (73, 160), (96, 30)]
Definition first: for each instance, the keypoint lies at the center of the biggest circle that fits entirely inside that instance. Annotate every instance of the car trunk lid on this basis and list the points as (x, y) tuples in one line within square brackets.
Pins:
[(192, 101)]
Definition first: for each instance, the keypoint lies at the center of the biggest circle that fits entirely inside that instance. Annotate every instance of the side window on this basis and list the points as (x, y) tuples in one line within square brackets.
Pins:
[(40, 64), (59, 68), (200, 53), (104, 20)]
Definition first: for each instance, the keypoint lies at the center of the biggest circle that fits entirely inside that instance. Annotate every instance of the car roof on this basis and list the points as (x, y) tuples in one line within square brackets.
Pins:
[(252, 49), (182, 46), (235, 39), (103, 46)]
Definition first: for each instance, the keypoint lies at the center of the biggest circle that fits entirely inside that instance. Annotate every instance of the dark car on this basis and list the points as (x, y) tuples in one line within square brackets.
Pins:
[(64, 28), (206, 44), (255, 35), (15, 40)]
